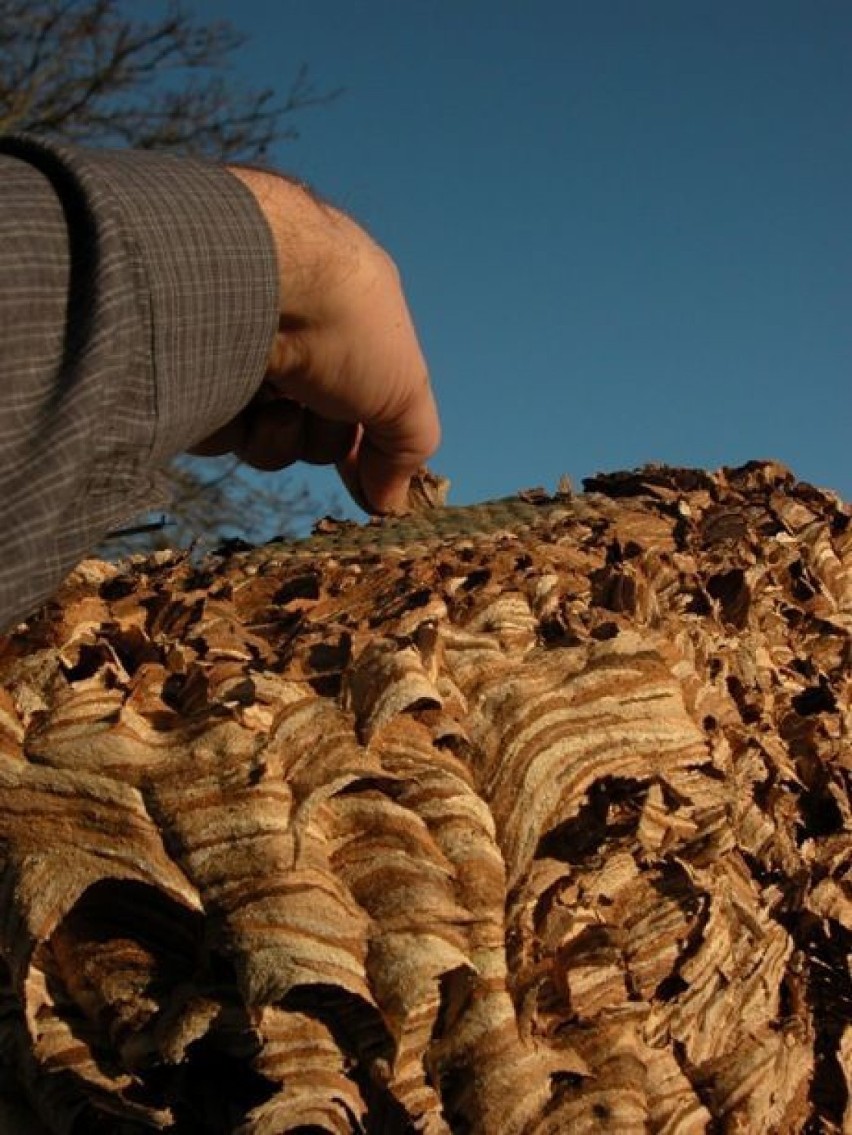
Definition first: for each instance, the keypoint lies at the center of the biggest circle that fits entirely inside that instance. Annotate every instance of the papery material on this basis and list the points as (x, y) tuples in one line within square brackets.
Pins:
[(539, 826)]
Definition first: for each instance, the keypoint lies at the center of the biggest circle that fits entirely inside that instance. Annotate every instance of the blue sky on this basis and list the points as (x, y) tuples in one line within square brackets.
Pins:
[(624, 225)]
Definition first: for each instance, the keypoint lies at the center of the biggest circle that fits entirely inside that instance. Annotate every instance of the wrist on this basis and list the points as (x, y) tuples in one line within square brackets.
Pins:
[(315, 244)]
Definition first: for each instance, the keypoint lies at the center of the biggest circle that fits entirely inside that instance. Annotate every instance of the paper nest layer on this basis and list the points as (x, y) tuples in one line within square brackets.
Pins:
[(526, 835)]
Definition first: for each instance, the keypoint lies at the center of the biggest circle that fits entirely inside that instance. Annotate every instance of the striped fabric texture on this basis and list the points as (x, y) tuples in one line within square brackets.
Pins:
[(138, 300)]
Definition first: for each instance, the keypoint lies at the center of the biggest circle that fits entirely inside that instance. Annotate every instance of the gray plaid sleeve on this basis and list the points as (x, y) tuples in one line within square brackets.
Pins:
[(138, 300)]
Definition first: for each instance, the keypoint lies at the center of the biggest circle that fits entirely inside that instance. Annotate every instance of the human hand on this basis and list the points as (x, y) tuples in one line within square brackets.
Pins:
[(346, 382)]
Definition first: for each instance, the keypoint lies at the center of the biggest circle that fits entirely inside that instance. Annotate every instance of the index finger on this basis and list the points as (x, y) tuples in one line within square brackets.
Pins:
[(388, 453)]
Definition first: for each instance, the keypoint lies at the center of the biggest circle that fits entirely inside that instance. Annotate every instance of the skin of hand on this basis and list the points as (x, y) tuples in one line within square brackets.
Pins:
[(346, 381)]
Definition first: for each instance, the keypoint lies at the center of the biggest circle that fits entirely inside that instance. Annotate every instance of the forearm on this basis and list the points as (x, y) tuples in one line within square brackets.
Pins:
[(138, 302)]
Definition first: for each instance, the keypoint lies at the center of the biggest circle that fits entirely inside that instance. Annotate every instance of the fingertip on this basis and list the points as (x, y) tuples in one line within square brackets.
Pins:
[(389, 455), (384, 483), (386, 496)]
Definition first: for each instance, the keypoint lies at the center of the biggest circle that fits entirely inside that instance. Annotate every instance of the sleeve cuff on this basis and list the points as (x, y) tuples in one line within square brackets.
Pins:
[(209, 267), (204, 268)]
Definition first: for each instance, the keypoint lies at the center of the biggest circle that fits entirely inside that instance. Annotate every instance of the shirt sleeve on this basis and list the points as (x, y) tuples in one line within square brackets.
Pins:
[(138, 302)]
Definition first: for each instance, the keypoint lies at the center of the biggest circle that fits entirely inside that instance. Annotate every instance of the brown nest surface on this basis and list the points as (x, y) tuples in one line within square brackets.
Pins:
[(540, 830)]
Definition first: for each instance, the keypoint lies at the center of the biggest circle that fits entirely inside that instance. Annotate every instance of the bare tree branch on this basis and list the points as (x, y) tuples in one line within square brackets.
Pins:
[(215, 499), (89, 72)]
